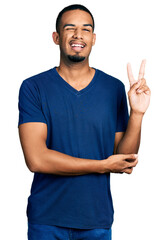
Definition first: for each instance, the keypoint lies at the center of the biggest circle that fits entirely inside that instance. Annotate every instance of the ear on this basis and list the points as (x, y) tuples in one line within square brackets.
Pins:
[(94, 39), (55, 37)]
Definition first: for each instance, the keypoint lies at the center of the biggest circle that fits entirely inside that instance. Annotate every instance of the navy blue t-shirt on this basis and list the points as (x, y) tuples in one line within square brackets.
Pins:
[(81, 124)]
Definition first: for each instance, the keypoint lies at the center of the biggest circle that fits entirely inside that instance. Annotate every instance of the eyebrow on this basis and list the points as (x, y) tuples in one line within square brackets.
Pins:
[(73, 25), (88, 25)]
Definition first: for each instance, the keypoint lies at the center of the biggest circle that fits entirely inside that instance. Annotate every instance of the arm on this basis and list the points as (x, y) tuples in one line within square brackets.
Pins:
[(43, 160), (139, 98), (130, 140)]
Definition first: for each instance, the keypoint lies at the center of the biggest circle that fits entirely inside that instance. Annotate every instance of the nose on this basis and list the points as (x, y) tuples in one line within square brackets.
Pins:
[(78, 34)]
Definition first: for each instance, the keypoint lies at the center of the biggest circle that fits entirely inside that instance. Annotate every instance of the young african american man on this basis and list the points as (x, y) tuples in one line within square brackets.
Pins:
[(75, 130)]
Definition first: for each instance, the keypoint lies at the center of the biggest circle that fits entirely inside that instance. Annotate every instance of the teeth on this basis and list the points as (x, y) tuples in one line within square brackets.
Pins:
[(77, 45)]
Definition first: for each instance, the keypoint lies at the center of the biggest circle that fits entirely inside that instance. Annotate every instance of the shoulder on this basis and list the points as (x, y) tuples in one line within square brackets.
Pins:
[(38, 79), (110, 80)]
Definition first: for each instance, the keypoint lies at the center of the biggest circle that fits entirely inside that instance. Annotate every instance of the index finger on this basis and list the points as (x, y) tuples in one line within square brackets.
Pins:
[(130, 157), (130, 75), (142, 70)]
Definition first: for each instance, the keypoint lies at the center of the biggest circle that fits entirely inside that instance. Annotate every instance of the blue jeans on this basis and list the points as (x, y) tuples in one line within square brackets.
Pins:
[(47, 232)]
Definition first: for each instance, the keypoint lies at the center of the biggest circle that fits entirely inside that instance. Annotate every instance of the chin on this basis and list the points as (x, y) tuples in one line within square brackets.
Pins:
[(76, 58)]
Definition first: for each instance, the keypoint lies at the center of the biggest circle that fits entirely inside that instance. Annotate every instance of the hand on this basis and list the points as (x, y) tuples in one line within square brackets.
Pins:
[(121, 163), (139, 93)]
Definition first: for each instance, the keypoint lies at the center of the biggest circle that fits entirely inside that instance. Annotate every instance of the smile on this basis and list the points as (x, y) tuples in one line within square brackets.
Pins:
[(77, 46)]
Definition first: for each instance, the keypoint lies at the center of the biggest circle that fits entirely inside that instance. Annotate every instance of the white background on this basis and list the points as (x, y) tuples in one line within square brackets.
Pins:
[(127, 31)]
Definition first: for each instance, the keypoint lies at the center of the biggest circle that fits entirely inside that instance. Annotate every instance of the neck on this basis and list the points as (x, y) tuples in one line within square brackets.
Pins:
[(74, 71)]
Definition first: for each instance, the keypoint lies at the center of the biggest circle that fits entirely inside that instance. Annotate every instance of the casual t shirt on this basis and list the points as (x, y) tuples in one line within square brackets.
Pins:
[(81, 124)]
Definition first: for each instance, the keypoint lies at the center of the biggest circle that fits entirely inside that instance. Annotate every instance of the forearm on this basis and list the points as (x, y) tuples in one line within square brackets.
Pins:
[(54, 162), (39, 158), (131, 140)]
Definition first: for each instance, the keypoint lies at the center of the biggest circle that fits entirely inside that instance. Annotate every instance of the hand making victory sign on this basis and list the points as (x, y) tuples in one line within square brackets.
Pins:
[(139, 98), (139, 93)]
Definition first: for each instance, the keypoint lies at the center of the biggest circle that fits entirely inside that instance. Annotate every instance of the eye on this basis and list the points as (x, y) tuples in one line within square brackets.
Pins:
[(86, 29), (69, 28)]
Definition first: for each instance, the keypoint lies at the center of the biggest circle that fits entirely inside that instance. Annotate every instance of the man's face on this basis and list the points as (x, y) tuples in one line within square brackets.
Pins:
[(76, 36)]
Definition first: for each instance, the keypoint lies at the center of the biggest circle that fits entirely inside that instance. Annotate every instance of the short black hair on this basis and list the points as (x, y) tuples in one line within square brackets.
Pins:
[(69, 8)]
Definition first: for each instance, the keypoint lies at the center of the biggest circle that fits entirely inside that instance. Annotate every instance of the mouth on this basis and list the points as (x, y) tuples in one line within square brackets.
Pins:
[(77, 46)]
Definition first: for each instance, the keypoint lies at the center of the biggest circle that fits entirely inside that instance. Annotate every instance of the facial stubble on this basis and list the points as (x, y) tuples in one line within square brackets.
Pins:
[(76, 58)]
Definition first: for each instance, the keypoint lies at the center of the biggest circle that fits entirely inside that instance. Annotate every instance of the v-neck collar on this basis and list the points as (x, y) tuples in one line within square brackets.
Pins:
[(72, 89)]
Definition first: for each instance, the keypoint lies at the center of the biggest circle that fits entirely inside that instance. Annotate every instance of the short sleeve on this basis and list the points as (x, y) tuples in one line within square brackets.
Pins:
[(29, 105), (122, 111)]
